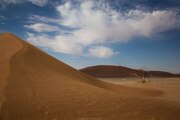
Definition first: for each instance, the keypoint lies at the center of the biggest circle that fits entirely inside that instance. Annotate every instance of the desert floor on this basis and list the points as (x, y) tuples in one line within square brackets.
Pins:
[(169, 86)]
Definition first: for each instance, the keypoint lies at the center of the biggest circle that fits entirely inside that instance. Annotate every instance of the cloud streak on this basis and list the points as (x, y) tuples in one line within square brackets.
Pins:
[(42, 27), (5, 3), (96, 24), (39, 2)]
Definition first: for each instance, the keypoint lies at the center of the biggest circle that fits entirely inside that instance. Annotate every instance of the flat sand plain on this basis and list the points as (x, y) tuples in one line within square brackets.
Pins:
[(169, 86)]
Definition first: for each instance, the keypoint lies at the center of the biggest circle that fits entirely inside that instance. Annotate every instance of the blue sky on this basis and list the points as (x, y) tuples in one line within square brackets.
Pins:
[(142, 34)]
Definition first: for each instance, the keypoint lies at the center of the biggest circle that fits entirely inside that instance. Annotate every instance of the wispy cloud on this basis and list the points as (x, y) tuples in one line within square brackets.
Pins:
[(5, 3), (38, 2), (42, 27), (38, 18), (96, 23), (2, 17)]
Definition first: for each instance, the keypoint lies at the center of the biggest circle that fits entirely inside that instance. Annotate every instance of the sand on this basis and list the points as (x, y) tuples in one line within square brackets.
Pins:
[(36, 86), (169, 86)]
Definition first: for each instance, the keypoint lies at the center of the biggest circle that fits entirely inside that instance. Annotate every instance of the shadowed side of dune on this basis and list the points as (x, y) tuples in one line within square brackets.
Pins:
[(39, 87), (8, 47)]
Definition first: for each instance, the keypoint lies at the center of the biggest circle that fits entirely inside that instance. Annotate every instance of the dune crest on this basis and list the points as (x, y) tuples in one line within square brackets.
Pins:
[(37, 86)]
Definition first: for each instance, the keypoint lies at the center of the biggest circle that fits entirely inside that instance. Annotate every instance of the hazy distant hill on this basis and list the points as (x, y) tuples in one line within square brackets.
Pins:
[(121, 71)]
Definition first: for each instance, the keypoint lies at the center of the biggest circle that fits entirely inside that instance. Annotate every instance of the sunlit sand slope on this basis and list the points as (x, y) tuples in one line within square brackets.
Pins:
[(36, 86)]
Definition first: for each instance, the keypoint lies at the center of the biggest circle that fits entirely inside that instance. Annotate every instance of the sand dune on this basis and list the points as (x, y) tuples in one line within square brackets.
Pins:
[(36, 86), (110, 71)]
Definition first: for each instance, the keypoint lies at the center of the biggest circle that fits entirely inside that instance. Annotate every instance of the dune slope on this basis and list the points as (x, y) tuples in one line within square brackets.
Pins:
[(36, 86)]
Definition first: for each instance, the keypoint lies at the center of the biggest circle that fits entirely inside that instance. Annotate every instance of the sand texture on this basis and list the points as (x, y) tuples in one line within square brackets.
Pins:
[(169, 86), (36, 86)]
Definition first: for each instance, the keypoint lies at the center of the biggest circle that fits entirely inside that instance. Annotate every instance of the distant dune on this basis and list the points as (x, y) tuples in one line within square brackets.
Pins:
[(36, 86), (120, 71)]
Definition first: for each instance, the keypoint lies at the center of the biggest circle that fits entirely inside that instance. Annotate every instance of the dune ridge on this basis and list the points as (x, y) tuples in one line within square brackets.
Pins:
[(40, 87)]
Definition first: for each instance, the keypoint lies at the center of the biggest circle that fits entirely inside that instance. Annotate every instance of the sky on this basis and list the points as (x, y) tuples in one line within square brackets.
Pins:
[(140, 34)]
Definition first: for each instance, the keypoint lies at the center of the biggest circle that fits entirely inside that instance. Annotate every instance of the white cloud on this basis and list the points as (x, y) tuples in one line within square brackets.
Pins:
[(58, 43), (98, 23), (101, 52), (95, 23), (150, 23), (42, 27)]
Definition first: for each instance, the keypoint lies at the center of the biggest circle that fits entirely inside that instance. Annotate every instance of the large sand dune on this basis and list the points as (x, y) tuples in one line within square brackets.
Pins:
[(36, 86)]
